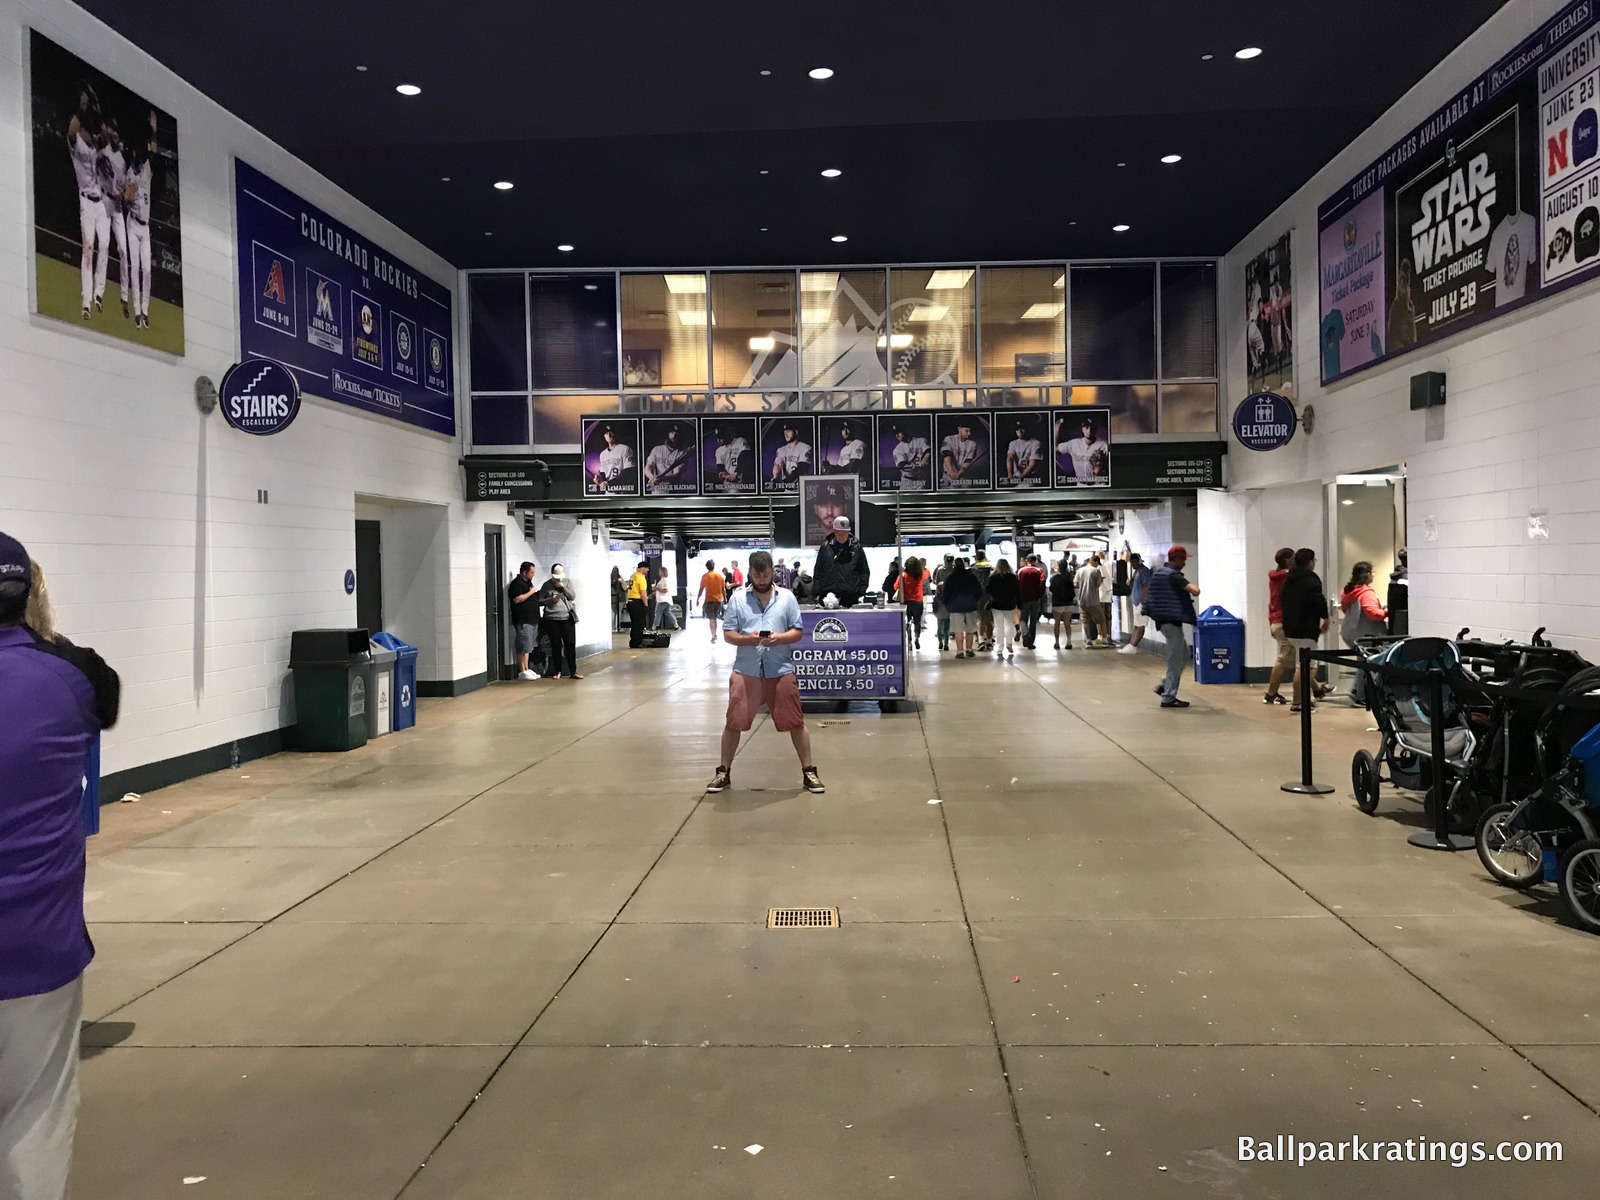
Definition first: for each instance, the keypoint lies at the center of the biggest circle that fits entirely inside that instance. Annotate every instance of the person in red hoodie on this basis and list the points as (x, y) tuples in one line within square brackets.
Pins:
[(1031, 581), (1286, 661), (1364, 617)]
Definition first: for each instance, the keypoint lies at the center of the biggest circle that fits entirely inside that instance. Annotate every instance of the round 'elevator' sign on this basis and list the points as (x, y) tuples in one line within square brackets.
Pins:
[(1265, 421), (260, 397)]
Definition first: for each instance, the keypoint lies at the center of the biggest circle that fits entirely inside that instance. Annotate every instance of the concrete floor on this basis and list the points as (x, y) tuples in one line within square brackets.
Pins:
[(518, 953)]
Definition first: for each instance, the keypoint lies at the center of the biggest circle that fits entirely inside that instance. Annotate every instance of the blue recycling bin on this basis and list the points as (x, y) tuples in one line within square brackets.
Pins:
[(1219, 647), (404, 693), (91, 790)]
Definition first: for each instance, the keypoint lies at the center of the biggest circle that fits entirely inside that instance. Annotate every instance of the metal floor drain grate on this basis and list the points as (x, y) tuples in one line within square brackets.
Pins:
[(802, 918)]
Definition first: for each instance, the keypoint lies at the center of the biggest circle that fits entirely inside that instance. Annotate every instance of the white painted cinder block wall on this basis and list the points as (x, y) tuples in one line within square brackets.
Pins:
[(1521, 428), (145, 516)]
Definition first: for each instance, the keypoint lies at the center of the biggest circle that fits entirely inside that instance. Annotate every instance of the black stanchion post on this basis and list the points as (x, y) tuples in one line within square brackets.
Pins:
[(1439, 837), (1304, 786)]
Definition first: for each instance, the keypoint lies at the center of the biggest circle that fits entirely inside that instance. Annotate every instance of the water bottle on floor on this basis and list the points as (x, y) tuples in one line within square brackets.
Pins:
[(233, 756)]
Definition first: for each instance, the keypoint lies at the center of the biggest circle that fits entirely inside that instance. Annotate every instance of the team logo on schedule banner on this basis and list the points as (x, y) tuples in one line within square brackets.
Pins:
[(274, 287), (324, 309), (366, 341), (436, 363), (260, 397), (403, 339)]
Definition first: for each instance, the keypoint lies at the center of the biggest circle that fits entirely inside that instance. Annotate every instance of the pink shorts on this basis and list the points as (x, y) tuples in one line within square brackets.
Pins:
[(781, 695)]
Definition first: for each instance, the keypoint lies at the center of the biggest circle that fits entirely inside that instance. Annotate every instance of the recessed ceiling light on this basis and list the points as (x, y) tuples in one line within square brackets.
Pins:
[(444, 179), (1248, 52), (564, 248), (821, 72), (832, 173), (763, 229), (591, 287), (1119, 229), (487, 233), (950, 280), (505, 185), (1207, 57), (1122, 164), (360, 68), (764, 172), (1071, 222), (1169, 159), (408, 89), (680, 285), (766, 72), (1347, 503), (839, 237)]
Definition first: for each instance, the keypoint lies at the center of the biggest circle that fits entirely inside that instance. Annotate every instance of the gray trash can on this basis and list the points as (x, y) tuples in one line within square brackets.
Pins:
[(380, 704)]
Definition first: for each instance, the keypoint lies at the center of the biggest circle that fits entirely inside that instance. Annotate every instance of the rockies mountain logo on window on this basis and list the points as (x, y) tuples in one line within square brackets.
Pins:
[(402, 341), (830, 629)]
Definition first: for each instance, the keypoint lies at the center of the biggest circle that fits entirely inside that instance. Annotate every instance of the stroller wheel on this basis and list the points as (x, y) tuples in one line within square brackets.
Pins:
[(1513, 856), (1580, 884), (1364, 781)]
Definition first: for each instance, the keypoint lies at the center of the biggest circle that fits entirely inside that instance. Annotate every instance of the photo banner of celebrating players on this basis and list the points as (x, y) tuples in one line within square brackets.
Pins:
[(1490, 204), (355, 323), (944, 450), (610, 456), (107, 244), (823, 500), (1269, 318)]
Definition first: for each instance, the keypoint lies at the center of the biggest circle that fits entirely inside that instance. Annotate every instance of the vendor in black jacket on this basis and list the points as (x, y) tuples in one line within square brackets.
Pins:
[(841, 566), (1305, 611)]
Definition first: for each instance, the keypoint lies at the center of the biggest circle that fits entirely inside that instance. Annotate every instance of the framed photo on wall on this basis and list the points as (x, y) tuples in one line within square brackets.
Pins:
[(641, 368), (610, 456)]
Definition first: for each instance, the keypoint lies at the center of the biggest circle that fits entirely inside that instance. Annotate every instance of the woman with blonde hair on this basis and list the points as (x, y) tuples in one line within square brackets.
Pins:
[(40, 615)]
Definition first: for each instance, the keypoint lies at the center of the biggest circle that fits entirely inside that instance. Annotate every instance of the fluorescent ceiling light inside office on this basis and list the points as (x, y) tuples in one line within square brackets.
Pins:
[(763, 344), (949, 281), (929, 312), (815, 316), (1044, 311), (900, 341), (819, 281), (695, 316), (680, 285), (1061, 280)]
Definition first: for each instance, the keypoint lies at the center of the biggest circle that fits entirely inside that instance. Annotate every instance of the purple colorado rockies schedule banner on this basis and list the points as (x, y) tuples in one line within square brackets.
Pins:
[(353, 322), (851, 654)]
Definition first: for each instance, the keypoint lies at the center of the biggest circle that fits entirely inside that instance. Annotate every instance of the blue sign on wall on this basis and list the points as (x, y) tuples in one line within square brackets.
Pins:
[(1265, 421), (354, 323), (260, 397)]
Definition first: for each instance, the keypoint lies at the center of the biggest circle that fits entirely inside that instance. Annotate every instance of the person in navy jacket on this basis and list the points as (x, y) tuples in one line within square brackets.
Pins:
[(55, 698), (1169, 602)]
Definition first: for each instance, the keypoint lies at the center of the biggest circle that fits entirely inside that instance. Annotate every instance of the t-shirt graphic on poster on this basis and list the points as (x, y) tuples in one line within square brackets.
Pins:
[(1586, 234), (1332, 340), (1509, 247)]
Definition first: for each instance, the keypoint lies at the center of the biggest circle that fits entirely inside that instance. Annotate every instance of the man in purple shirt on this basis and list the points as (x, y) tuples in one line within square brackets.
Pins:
[(54, 698)]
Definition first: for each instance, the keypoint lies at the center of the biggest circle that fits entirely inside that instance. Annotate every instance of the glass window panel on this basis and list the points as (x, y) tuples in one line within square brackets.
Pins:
[(841, 329), (1024, 324), (499, 420), (753, 323), (499, 318), (930, 325), (556, 419), (1188, 408), (573, 333), (664, 331), (1133, 406), (1114, 322), (1188, 321)]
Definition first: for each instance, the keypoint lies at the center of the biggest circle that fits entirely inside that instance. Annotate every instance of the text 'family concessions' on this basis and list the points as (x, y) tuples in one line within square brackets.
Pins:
[(1286, 1148)]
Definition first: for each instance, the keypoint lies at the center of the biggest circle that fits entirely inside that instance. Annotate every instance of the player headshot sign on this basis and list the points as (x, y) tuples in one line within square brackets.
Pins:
[(842, 443), (963, 460), (905, 452), (671, 459), (610, 456), (787, 453), (1082, 447), (823, 499), (728, 456), (106, 239), (1024, 434)]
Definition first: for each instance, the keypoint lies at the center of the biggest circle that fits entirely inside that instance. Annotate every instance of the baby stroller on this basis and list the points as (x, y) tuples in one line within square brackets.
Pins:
[(1555, 823), (1405, 724)]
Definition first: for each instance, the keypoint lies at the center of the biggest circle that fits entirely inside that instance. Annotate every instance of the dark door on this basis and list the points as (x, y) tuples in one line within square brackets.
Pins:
[(495, 581), (369, 575)]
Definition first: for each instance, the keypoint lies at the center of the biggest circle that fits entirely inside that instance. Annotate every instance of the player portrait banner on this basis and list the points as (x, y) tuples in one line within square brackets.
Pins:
[(1491, 203), (610, 456), (963, 459), (843, 442), (1082, 440), (788, 453), (1269, 318), (1024, 437), (107, 234), (905, 451), (356, 324), (671, 456), (728, 456), (824, 499)]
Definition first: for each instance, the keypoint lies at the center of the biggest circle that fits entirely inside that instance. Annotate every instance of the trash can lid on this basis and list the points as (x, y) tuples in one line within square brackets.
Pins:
[(382, 655), (328, 646), (389, 642), (1217, 615)]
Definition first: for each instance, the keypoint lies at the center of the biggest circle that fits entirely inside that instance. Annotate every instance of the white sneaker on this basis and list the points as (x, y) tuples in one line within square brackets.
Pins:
[(527, 675), (1130, 648)]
